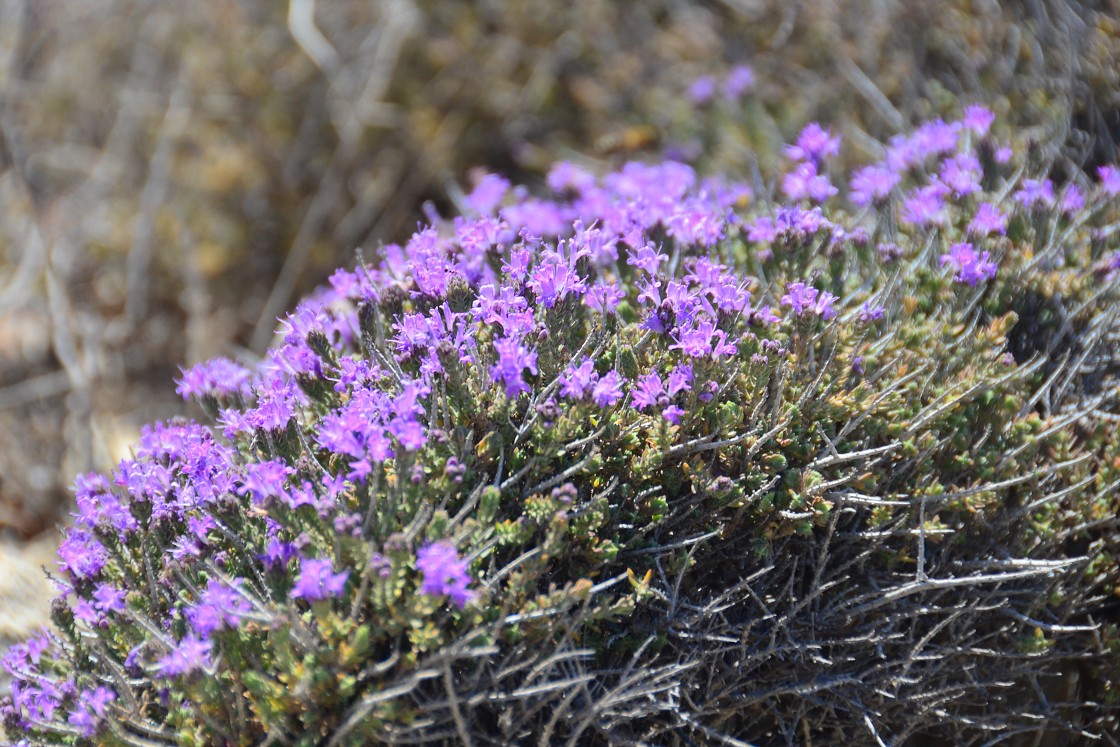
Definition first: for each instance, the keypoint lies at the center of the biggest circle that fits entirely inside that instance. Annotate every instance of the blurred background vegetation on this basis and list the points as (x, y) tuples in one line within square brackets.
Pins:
[(174, 175)]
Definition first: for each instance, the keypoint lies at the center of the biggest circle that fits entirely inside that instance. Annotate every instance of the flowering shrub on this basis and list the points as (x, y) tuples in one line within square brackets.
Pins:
[(650, 460)]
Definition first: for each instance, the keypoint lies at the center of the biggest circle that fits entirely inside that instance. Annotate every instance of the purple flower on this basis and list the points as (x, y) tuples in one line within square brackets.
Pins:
[(266, 480), (200, 526), (969, 266), (1072, 200), (190, 654), (673, 414), (936, 138), (444, 573), (978, 119), (988, 220), (278, 553), (219, 378), (185, 547), (604, 297), (695, 224), (81, 555), (220, 605), (607, 391), (703, 339), (97, 505), (276, 402), (109, 598), (409, 432), (90, 710), (873, 184), (647, 390), (762, 230), (870, 312), (962, 174), (1110, 180), (702, 90), (889, 252), (804, 183), (1035, 191), (738, 81), (814, 144), (513, 359), (552, 281), (680, 379), (20, 655), (316, 581), (39, 702), (805, 299), (487, 194), (576, 382), (925, 206), (647, 258), (87, 613), (566, 177)]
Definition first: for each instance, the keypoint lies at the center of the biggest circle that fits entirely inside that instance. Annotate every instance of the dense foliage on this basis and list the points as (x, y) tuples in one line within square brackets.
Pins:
[(655, 459), (178, 174)]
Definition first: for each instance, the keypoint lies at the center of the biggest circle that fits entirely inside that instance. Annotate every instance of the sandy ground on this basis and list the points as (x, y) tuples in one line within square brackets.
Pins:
[(25, 593)]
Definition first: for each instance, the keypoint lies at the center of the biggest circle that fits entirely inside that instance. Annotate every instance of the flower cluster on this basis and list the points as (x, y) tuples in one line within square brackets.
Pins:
[(444, 573), (400, 441)]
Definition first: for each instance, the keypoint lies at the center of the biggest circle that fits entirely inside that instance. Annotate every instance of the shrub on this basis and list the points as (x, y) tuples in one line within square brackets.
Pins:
[(652, 460), (191, 166)]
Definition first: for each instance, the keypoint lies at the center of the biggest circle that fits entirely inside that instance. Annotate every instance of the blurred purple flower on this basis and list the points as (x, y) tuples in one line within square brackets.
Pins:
[(988, 220), (487, 194), (870, 312), (316, 580), (873, 184), (1110, 180), (978, 119), (815, 143), (109, 598), (188, 655), (925, 207), (219, 378), (89, 712), (567, 177), (702, 89), (805, 183), (805, 299), (576, 382), (739, 80), (970, 267), (1072, 200), (961, 174), (646, 391), (219, 605), (673, 414), (1035, 191), (444, 573)]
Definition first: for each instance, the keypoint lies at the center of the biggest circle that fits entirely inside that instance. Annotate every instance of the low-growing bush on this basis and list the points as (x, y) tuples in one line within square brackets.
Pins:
[(653, 460), (188, 169)]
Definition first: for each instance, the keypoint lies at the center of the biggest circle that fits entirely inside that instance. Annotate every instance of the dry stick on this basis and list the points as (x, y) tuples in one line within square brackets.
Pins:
[(870, 92), (301, 24), (453, 701), (152, 197), (35, 389)]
